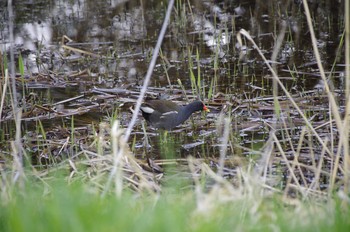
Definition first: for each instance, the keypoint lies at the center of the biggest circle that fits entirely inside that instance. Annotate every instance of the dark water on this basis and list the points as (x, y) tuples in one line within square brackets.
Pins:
[(201, 37)]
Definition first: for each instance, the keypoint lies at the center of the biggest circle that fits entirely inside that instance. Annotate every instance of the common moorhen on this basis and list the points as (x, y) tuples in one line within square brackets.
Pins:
[(166, 115)]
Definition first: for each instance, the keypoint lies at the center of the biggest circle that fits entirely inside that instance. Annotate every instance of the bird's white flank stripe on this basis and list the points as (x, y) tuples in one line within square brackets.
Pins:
[(147, 109), (168, 113)]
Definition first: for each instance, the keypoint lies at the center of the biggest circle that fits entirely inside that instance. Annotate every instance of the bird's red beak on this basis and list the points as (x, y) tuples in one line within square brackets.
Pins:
[(205, 108)]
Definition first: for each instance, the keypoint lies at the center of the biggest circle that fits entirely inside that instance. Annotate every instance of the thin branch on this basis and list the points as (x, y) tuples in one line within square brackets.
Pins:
[(16, 111), (150, 70)]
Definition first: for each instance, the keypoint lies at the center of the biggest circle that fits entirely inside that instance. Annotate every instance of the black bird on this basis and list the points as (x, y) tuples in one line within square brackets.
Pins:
[(166, 115)]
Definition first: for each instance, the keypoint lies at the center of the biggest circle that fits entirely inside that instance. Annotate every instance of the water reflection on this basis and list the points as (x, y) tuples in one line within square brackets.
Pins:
[(133, 26)]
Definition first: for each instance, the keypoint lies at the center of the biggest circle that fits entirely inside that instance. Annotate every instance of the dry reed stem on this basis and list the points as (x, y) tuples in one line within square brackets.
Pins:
[(342, 132), (4, 92), (223, 148), (12, 56), (306, 120), (150, 70), (347, 109), (290, 168), (263, 164), (315, 182), (123, 158), (80, 51), (342, 126), (16, 151), (197, 184)]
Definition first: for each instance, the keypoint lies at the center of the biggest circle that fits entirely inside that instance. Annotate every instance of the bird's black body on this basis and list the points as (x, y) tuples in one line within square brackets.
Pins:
[(167, 115)]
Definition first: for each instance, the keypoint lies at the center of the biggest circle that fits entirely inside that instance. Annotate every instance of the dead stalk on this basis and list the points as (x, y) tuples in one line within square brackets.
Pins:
[(223, 148), (150, 70)]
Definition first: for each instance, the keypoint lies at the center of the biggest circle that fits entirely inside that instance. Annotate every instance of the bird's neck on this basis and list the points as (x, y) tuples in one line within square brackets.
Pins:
[(189, 109)]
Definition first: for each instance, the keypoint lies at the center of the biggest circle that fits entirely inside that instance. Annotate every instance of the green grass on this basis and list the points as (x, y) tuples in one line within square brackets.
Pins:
[(75, 208)]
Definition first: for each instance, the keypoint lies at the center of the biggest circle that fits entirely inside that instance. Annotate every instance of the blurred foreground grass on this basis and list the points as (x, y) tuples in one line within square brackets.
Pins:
[(62, 207)]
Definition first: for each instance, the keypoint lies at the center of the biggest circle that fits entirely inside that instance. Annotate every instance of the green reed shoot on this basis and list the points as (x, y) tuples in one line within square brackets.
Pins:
[(192, 76), (21, 71), (43, 144), (165, 65)]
